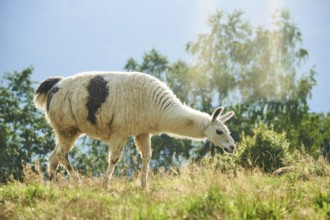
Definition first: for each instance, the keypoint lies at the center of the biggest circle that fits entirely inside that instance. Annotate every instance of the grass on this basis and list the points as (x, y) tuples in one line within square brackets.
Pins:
[(198, 191)]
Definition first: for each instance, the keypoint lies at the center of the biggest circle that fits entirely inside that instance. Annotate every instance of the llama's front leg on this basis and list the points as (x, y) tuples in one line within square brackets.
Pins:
[(142, 142), (115, 153)]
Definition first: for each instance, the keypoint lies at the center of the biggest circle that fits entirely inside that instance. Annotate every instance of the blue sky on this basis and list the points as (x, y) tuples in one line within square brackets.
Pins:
[(64, 37)]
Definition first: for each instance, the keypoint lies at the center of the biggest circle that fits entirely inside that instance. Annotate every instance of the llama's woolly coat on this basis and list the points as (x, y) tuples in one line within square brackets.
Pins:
[(99, 103)]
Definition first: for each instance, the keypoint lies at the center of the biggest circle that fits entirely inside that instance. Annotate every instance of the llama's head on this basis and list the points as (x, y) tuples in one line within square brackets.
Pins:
[(218, 133)]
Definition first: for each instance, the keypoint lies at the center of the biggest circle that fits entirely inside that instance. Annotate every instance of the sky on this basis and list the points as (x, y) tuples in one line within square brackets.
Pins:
[(64, 37)]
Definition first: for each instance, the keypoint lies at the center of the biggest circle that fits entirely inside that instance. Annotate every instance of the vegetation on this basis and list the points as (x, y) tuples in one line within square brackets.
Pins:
[(266, 149), (198, 191), (23, 130)]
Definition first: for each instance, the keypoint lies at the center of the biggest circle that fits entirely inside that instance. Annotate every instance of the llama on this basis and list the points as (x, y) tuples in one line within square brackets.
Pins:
[(113, 106)]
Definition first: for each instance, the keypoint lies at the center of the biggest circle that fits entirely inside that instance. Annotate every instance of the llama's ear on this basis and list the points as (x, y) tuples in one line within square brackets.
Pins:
[(227, 116), (217, 113)]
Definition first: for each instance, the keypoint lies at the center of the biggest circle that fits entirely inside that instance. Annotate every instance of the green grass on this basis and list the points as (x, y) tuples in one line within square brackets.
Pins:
[(199, 191)]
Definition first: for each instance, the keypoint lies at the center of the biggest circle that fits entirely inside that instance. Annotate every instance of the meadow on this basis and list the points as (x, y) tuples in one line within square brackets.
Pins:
[(213, 188)]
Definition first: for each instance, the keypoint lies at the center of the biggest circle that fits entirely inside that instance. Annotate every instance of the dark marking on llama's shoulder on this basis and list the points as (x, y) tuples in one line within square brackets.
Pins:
[(51, 93), (98, 92)]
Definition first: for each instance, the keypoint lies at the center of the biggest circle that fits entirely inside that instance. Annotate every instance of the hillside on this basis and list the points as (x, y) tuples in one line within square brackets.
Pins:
[(211, 189)]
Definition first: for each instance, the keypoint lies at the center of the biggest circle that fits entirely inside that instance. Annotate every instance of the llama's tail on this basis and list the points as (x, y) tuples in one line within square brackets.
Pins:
[(40, 97)]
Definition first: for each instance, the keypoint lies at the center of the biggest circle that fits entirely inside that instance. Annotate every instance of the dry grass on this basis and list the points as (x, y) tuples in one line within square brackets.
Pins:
[(200, 190)]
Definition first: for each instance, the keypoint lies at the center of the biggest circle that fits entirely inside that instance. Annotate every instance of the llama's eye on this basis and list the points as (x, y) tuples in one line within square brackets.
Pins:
[(219, 132)]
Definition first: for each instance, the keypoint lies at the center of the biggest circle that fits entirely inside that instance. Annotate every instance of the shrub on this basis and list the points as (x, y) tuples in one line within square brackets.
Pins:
[(325, 152), (266, 149)]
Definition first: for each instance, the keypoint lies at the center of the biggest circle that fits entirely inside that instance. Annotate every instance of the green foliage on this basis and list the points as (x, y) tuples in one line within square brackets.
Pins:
[(266, 149), (314, 134), (322, 202), (27, 195), (261, 209), (211, 204), (238, 64), (235, 58), (24, 133), (214, 71), (325, 151), (153, 63)]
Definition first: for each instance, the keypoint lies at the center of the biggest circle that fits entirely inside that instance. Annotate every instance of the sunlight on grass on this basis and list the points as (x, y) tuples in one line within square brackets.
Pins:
[(197, 191)]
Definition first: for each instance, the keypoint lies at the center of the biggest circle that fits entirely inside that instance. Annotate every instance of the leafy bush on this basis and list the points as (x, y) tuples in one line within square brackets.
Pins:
[(266, 149), (325, 152)]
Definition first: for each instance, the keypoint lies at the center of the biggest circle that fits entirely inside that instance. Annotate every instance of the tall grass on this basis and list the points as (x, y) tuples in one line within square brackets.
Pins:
[(203, 190)]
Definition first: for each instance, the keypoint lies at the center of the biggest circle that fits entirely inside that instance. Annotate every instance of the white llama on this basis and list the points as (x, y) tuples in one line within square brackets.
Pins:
[(113, 106)]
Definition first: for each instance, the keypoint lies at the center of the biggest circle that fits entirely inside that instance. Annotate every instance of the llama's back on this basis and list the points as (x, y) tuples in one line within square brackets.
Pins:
[(99, 104)]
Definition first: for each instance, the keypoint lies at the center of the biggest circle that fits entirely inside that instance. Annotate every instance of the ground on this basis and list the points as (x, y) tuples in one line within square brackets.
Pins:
[(210, 189)]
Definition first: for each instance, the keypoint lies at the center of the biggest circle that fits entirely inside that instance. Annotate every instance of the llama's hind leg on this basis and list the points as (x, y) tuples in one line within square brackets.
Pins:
[(115, 153), (53, 164), (60, 155), (142, 142)]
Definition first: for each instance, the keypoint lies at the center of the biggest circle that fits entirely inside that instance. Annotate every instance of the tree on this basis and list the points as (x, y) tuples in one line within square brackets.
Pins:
[(255, 69), (153, 63), (24, 133), (218, 57)]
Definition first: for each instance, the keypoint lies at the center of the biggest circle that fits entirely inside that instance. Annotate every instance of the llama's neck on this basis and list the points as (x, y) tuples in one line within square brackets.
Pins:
[(186, 122)]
